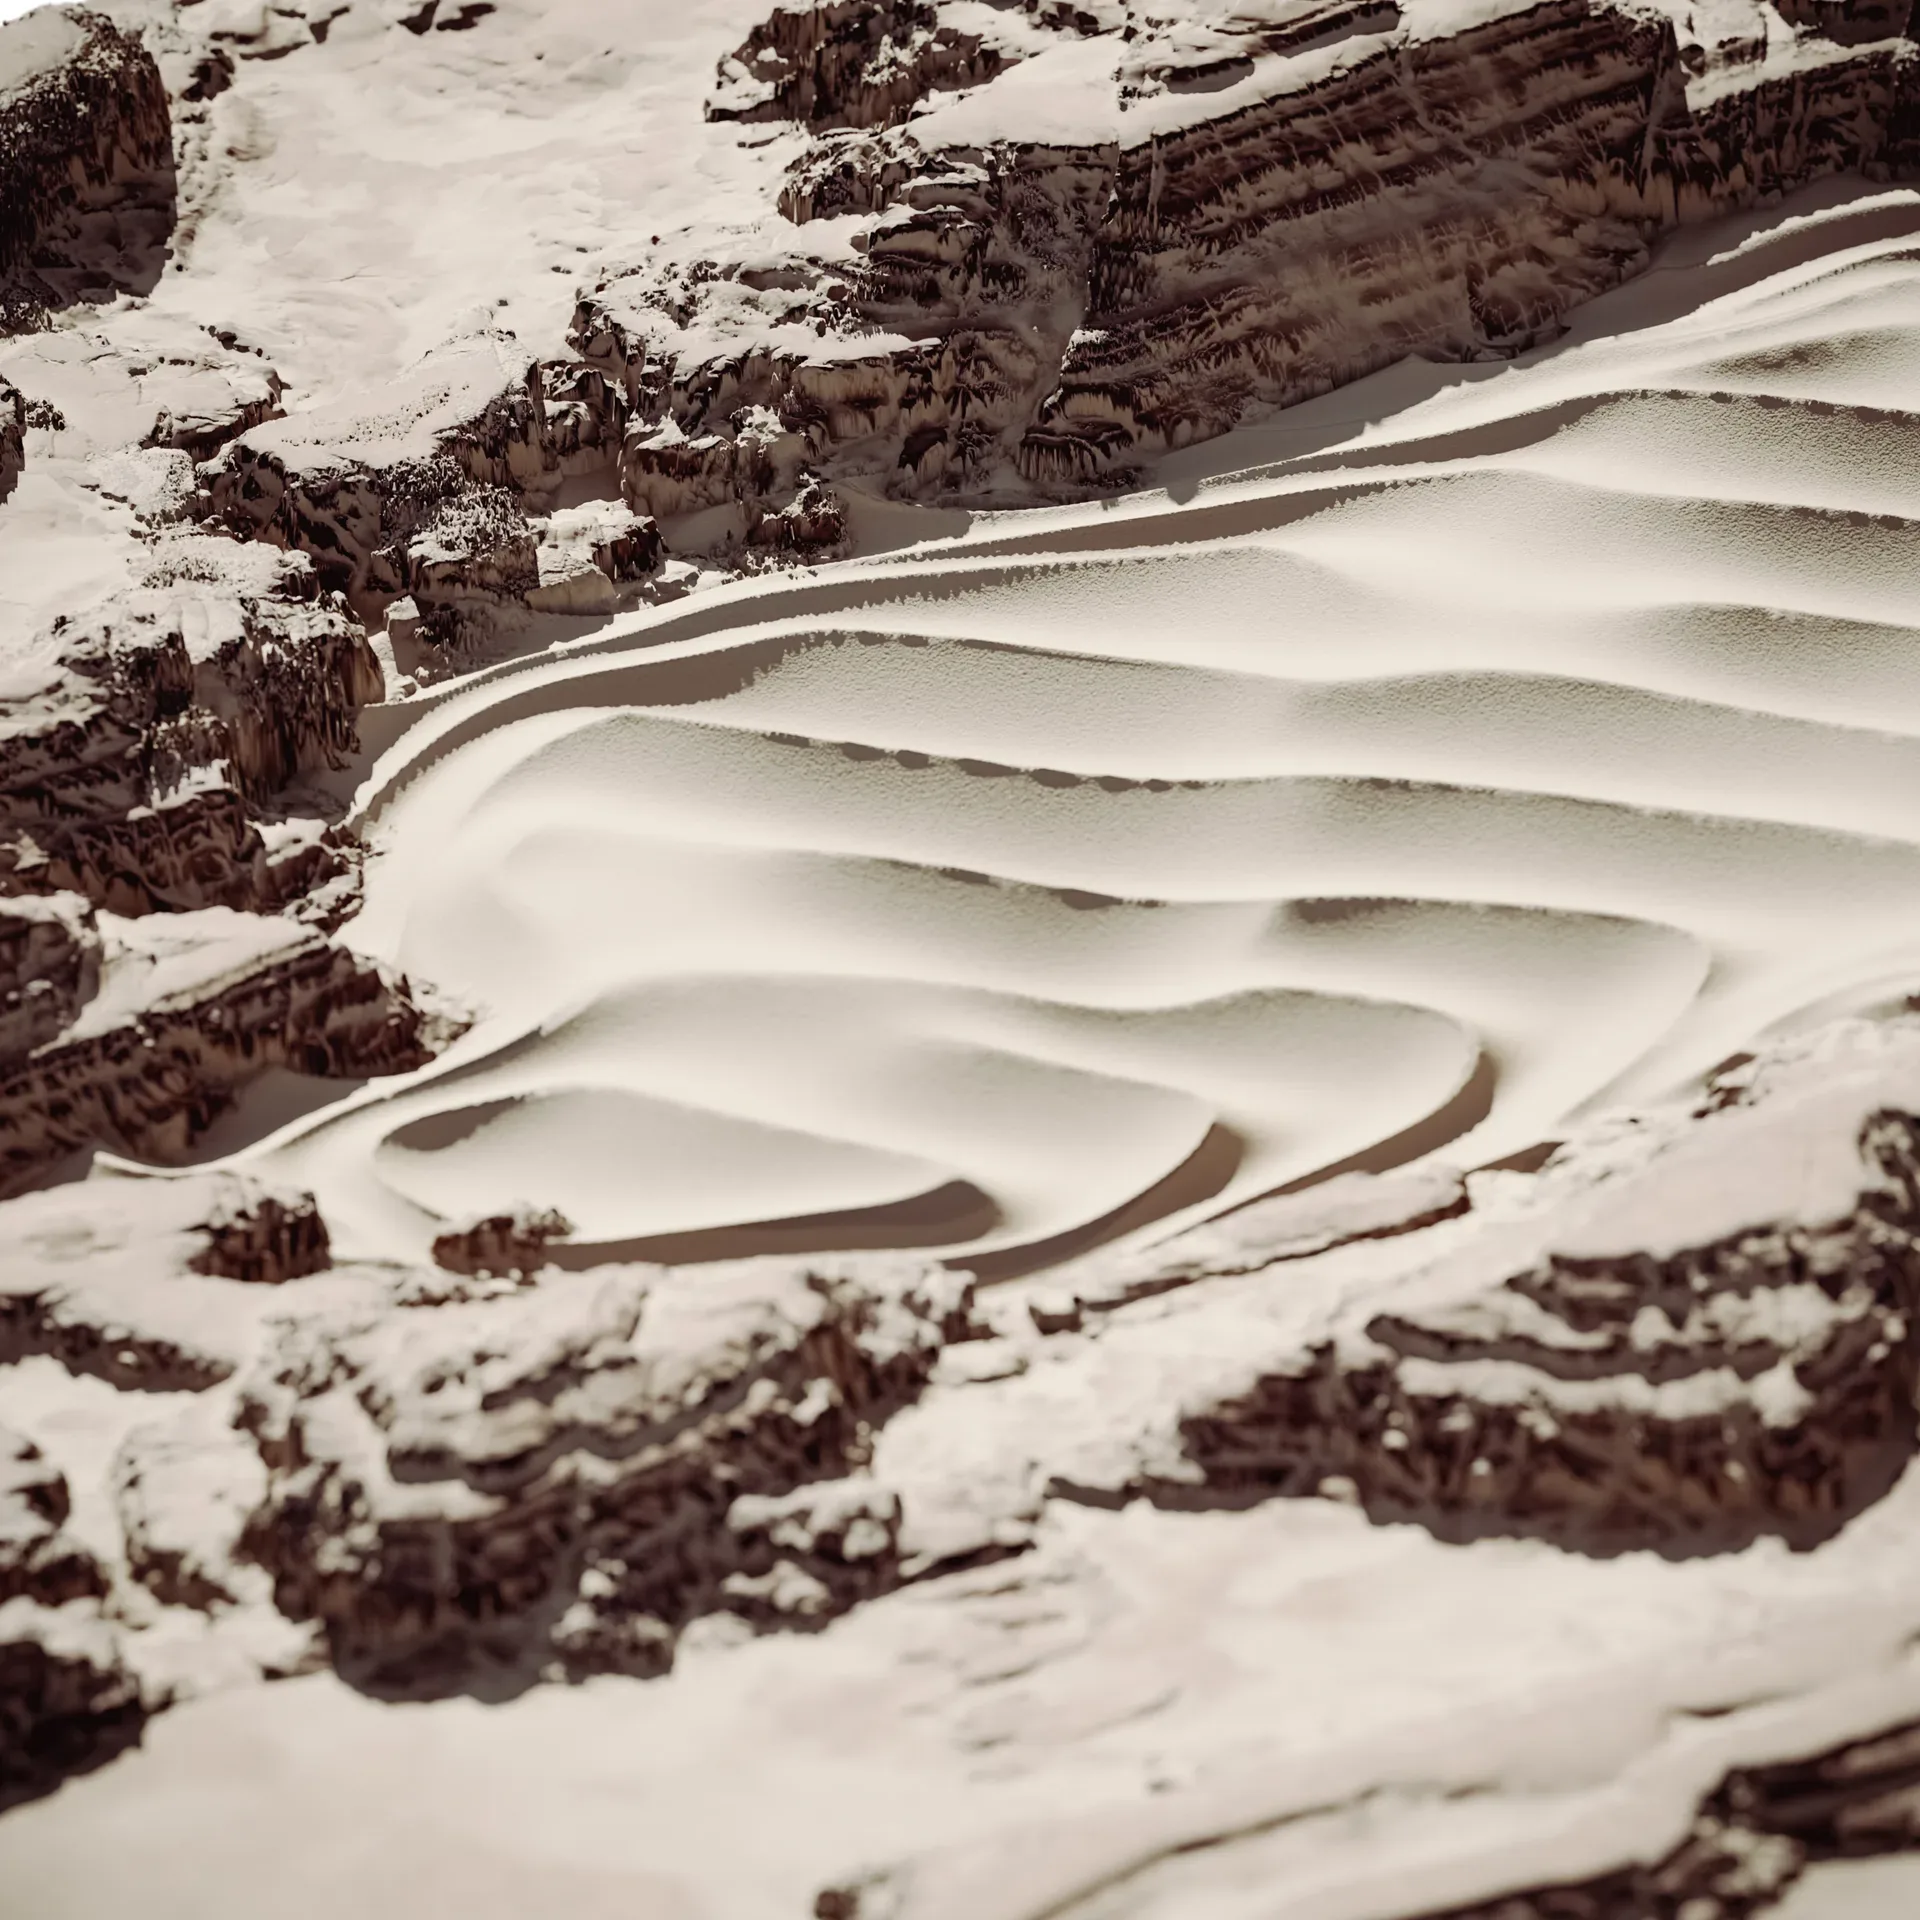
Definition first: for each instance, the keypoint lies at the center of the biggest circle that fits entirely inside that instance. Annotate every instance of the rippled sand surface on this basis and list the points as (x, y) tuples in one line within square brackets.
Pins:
[(1531, 746)]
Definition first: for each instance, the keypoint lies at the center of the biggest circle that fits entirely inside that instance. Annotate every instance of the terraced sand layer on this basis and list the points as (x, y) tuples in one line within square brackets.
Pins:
[(1532, 750)]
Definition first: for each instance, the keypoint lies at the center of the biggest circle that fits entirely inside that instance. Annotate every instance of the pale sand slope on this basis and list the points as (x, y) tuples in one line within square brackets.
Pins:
[(1533, 752)]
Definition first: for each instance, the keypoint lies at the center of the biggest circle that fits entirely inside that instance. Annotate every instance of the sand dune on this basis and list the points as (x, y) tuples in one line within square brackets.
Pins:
[(1553, 741)]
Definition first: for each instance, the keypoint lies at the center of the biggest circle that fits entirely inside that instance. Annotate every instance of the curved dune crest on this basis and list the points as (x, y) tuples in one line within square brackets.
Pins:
[(1577, 740)]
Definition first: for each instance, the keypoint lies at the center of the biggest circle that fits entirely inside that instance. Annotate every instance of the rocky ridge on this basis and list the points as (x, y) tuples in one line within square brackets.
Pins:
[(86, 161), (1683, 1332), (1274, 209)]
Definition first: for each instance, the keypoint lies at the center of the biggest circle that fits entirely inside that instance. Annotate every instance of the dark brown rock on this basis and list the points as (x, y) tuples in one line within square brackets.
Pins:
[(86, 162)]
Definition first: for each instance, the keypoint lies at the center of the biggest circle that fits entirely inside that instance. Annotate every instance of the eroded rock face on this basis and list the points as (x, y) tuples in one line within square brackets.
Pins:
[(1027, 318), (1686, 1399), (554, 1478), (66, 1699), (38, 1557), (86, 159), (1753, 1838), (13, 432), (49, 969), (849, 63), (147, 1075), (174, 710), (353, 488)]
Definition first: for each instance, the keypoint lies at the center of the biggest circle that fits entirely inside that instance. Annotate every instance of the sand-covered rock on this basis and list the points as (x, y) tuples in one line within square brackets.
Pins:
[(133, 767), (557, 1476), (1270, 210), (192, 1011), (86, 160), (1683, 1399)]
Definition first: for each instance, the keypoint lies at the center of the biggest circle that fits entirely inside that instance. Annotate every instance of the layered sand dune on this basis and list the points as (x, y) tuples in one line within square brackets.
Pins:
[(1533, 751)]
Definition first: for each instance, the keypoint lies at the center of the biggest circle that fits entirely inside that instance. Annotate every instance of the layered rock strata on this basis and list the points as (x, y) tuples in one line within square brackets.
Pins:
[(560, 1479), (174, 712), (1273, 211), (86, 160), (1621, 1383), (1754, 1837), (437, 491), (147, 1068)]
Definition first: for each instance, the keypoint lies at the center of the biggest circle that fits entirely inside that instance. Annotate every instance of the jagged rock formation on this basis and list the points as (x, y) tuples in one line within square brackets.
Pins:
[(13, 431), (431, 492), (1027, 318), (554, 1478), (66, 1700), (503, 1244), (37, 1556), (263, 1238), (176, 709), (1612, 1392), (154, 1285), (849, 63), (588, 554), (86, 160), (155, 1060), (49, 969)]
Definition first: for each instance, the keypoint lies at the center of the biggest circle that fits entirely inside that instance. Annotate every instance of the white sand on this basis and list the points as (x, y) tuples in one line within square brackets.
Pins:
[(1548, 744)]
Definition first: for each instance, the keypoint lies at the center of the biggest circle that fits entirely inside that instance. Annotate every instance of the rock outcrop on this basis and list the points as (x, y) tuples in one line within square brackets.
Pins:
[(1754, 1837), (1623, 1382), (1273, 209), (174, 711), (183, 1026), (66, 1699), (849, 63), (154, 1285), (86, 161), (559, 1479), (437, 492), (49, 969), (13, 437)]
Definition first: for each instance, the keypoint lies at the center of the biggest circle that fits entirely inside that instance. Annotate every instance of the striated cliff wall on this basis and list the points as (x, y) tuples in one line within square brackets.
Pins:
[(173, 712), (148, 1080), (1024, 316)]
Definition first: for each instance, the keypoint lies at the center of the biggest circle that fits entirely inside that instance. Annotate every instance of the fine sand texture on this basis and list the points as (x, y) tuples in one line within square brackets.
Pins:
[(883, 1041)]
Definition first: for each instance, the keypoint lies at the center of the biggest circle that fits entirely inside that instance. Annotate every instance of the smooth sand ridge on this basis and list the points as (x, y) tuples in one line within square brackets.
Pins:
[(1157, 857)]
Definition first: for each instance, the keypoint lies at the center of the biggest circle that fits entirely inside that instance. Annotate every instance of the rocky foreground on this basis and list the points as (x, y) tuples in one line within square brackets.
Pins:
[(1683, 1333)]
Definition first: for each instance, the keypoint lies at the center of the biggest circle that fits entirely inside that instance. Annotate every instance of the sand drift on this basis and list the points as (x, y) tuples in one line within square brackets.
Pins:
[(1534, 752)]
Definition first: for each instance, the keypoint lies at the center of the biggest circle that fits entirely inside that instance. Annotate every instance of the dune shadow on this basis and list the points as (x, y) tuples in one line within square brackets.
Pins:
[(944, 1216), (1204, 1173)]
